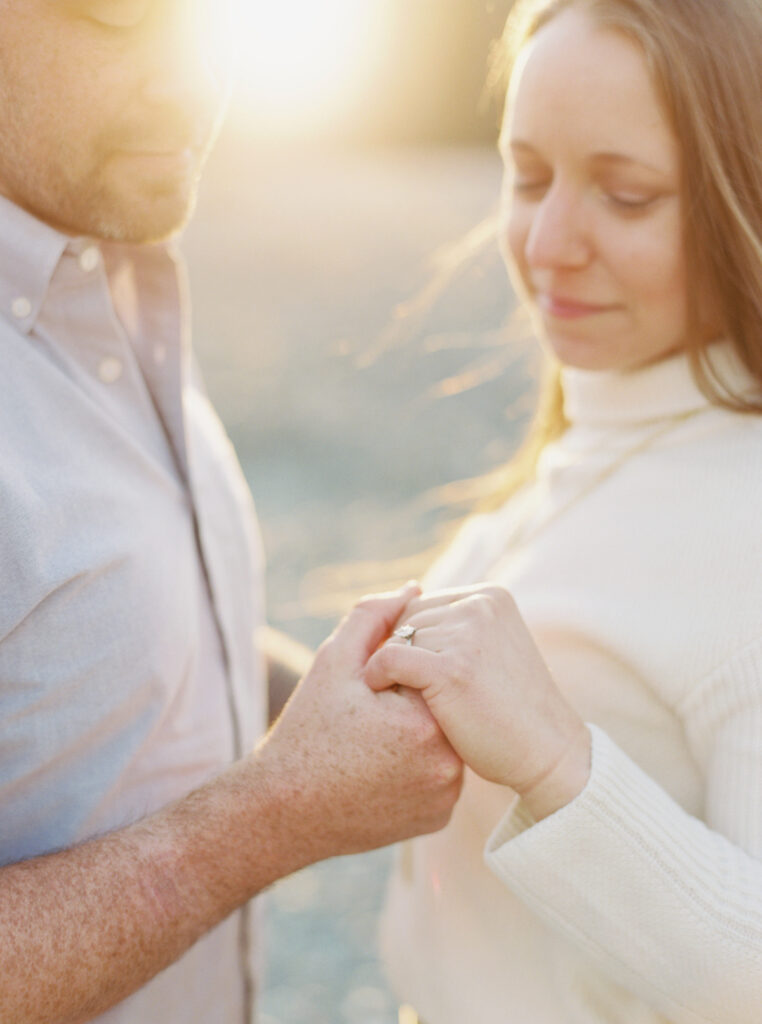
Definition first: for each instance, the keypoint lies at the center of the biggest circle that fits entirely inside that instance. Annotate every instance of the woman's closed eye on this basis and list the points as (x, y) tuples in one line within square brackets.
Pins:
[(528, 185), (625, 201), (630, 201)]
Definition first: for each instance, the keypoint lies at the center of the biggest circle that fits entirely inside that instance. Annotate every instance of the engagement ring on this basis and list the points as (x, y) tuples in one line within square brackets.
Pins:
[(405, 633)]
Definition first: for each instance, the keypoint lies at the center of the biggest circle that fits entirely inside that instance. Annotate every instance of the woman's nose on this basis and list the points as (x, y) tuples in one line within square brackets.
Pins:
[(558, 234)]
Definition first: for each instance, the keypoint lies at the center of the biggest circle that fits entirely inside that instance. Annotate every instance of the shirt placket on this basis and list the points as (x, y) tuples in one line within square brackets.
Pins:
[(165, 348)]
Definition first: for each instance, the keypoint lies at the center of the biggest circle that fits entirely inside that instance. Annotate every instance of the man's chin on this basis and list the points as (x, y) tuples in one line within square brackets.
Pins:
[(145, 222), (137, 215)]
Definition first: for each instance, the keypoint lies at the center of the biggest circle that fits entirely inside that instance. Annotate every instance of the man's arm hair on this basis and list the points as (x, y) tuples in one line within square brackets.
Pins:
[(82, 929)]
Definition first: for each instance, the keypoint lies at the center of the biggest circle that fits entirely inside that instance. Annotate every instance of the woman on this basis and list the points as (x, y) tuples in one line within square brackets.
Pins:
[(604, 863)]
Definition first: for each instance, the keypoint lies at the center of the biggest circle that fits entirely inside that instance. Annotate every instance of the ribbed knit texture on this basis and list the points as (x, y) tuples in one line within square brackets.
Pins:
[(641, 901)]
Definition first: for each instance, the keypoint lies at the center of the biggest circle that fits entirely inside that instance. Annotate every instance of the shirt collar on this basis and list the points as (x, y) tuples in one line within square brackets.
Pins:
[(31, 251), (29, 254), (654, 392)]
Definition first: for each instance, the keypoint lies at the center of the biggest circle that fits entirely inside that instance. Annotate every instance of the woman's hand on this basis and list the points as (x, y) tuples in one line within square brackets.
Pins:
[(478, 669)]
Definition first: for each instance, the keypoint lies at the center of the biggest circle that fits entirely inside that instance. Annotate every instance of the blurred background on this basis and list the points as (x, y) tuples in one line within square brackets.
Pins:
[(357, 333)]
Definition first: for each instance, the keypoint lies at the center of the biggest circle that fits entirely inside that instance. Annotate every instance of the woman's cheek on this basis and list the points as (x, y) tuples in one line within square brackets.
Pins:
[(655, 264)]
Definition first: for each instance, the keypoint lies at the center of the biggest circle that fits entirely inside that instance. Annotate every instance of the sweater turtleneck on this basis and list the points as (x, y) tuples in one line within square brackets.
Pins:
[(658, 391)]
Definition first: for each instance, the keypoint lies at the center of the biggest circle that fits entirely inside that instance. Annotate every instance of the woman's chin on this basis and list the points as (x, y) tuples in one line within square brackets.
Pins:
[(581, 353), (622, 352)]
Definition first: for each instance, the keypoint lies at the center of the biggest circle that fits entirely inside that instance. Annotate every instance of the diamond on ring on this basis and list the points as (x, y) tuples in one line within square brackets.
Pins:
[(405, 633)]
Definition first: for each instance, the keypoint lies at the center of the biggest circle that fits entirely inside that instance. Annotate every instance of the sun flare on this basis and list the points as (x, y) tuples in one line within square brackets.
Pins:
[(301, 63)]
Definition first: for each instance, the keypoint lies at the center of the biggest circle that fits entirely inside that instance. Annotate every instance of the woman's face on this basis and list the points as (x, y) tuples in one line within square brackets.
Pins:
[(592, 207)]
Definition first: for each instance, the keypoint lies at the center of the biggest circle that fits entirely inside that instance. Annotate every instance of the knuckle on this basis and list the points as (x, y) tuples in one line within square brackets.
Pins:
[(369, 604), (450, 771), (421, 736), (501, 597), (457, 669), (489, 607), (427, 731), (457, 768)]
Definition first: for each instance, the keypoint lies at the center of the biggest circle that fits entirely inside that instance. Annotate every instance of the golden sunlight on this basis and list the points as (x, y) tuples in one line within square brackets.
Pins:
[(302, 63)]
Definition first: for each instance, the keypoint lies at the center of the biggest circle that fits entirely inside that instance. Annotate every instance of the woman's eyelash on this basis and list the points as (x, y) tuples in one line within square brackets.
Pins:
[(529, 186), (630, 202)]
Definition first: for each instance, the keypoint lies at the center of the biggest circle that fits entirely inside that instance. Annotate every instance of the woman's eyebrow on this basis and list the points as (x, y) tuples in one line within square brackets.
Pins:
[(618, 159), (604, 158)]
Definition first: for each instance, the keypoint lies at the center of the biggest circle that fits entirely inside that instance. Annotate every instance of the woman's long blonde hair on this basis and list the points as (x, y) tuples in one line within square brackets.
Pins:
[(706, 60)]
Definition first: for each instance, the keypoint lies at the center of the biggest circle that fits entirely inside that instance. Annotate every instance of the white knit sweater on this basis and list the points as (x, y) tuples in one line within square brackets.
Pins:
[(641, 901)]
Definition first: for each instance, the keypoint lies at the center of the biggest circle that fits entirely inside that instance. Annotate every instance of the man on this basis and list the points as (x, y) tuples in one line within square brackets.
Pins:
[(135, 819)]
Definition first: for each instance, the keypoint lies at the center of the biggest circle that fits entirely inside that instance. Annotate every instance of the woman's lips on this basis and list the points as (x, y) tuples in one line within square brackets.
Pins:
[(569, 309)]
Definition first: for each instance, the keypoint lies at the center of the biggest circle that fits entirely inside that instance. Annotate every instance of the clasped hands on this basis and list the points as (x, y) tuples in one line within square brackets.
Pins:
[(475, 664)]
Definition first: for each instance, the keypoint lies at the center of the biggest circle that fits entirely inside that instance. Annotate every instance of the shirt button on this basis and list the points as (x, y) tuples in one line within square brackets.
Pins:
[(21, 307), (160, 355), (110, 370), (89, 259)]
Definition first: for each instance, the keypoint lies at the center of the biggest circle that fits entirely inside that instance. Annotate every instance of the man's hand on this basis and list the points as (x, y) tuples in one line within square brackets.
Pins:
[(366, 768), (343, 770)]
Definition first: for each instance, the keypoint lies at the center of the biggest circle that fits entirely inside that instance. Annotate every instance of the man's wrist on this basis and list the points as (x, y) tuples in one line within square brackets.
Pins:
[(233, 837)]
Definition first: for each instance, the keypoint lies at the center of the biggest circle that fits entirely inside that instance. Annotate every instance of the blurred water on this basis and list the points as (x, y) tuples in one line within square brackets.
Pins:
[(348, 406)]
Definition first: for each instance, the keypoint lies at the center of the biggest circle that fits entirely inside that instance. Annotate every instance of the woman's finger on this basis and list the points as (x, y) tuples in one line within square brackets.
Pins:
[(433, 618), (401, 665), (441, 598)]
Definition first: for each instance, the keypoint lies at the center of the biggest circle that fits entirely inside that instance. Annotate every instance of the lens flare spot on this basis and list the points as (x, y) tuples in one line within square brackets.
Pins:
[(302, 64)]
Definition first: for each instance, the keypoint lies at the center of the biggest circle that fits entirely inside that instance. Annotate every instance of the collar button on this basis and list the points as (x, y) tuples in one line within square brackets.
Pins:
[(110, 370), (21, 307), (89, 259)]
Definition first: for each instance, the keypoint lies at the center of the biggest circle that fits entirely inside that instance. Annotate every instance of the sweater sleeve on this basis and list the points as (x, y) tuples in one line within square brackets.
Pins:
[(668, 905)]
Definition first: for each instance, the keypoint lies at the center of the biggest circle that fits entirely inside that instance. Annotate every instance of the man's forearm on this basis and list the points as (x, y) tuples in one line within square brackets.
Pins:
[(82, 929)]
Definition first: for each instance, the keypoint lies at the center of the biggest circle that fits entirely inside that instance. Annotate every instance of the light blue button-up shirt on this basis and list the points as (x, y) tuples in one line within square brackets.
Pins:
[(131, 574)]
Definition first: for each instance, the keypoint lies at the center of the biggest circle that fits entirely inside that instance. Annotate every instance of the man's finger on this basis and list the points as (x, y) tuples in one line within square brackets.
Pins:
[(371, 621)]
